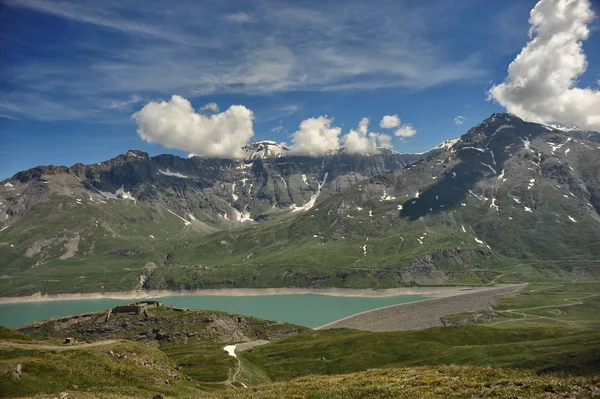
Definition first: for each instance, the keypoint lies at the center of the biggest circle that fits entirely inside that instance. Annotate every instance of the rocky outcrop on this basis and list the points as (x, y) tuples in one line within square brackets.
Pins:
[(162, 323)]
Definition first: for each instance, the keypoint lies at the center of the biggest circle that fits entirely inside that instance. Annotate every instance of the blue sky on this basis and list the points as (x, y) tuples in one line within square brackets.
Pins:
[(72, 73)]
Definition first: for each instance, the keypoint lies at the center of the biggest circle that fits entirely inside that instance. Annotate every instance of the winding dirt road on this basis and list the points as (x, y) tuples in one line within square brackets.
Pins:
[(22, 345)]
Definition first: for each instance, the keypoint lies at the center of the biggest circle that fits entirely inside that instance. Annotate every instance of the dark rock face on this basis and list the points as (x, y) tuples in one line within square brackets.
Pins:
[(165, 324), (217, 191)]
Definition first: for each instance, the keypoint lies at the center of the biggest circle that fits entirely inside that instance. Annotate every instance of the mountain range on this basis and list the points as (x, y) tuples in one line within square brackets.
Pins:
[(507, 192)]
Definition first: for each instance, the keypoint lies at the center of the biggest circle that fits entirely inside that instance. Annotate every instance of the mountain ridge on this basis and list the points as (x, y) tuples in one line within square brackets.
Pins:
[(507, 191)]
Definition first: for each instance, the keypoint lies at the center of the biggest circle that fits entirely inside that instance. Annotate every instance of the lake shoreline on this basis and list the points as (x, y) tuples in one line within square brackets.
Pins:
[(428, 292)]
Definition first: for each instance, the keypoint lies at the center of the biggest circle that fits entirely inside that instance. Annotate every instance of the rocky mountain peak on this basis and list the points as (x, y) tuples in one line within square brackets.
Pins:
[(565, 128), (265, 149)]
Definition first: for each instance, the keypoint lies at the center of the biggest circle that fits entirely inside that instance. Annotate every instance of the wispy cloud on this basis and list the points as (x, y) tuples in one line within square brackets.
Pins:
[(277, 113), (459, 120), (151, 49), (239, 17)]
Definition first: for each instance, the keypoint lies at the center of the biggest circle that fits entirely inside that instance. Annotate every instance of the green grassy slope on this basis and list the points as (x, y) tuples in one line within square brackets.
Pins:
[(111, 246), (143, 372), (426, 382), (341, 351)]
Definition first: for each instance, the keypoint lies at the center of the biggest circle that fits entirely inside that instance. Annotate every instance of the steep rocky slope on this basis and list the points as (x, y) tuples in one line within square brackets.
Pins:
[(108, 224), (507, 192)]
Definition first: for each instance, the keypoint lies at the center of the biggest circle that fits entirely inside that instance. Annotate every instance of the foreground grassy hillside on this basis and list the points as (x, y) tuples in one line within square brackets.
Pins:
[(544, 350), (427, 382), (141, 371), (132, 370)]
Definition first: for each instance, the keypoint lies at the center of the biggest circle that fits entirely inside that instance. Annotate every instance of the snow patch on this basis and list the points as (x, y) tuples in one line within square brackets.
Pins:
[(501, 128), (241, 216), (501, 177), (493, 205), (304, 179), (463, 228), (172, 174), (245, 166), (120, 193), (526, 143), (386, 197), (230, 349), (233, 194), (555, 147), (493, 157), (528, 209), (490, 167), (313, 199), (473, 148), (184, 221), (478, 240), (572, 219), (476, 196)]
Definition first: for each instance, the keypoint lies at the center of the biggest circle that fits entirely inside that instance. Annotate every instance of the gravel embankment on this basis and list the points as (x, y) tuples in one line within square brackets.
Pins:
[(424, 314)]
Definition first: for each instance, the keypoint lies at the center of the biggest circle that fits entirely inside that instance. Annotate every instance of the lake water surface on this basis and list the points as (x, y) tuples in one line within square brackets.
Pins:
[(307, 310)]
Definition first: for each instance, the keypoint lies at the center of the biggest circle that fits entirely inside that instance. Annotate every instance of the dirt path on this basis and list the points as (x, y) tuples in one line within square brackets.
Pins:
[(244, 346), (20, 345), (234, 373), (526, 316)]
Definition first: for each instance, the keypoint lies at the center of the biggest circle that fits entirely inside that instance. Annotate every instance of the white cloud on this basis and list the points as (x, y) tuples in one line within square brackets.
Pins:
[(541, 81), (385, 141), (361, 141), (389, 121), (239, 17), (124, 49), (315, 137), (133, 99), (278, 129), (459, 120), (175, 124), (210, 108), (405, 131), (392, 121)]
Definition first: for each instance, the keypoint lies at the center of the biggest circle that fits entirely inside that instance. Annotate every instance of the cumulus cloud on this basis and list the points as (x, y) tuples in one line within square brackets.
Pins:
[(175, 124), (361, 141), (541, 81), (210, 108), (392, 121), (405, 131), (389, 121), (459, 120), (315, 137), (385, 141)]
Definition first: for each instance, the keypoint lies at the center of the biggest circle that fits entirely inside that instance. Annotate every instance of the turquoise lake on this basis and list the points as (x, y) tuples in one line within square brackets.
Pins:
[(307, 310)]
